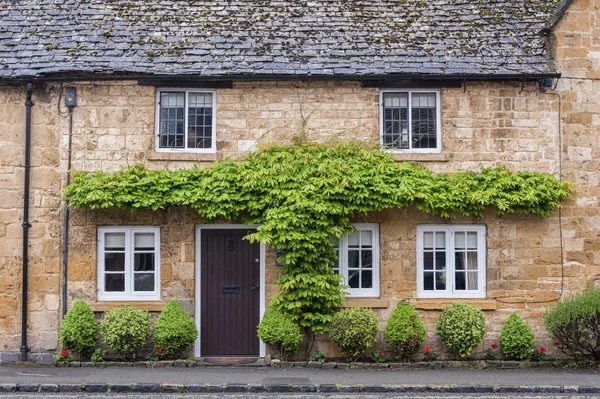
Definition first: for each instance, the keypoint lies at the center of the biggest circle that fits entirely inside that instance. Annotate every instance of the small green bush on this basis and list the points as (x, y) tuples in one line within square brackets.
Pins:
[(126, 329), (516, 338), (405, 331), (79, 329), (175, 330), (279, 330), (98, 356), (574, 325), (353, 331), (461, 328)]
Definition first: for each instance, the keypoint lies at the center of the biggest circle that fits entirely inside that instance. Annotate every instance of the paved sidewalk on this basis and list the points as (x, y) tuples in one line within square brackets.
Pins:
[(265, 379)]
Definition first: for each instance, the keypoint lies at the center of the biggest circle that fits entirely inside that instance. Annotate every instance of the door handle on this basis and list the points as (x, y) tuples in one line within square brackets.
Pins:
[(255, 287)]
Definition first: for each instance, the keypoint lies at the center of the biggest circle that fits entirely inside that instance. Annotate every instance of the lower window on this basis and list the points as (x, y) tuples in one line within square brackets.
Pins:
[(128, 263), (451, 261), (358, 260)]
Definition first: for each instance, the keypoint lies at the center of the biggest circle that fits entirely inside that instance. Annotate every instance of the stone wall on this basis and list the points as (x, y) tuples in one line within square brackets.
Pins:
[(488, 124)]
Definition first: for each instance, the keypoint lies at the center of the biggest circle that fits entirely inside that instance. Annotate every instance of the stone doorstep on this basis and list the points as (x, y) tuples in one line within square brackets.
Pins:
[(294, 388)]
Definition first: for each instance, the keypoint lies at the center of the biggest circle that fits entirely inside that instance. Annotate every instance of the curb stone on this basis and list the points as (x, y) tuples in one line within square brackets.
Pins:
[(120, 388), (28, 387), (145, 387), (49, 388), (95, 387), (328, 388), (588, 389), (70, 387), (8, 387), (236, 388), (172, 388)]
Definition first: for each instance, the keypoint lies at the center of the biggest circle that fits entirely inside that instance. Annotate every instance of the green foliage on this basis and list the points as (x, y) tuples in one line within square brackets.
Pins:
[(405, 331), (79, 329), (98, 356), (574, 325), (461, 328), (175, 330), (126, 329), (279, 329), (302, 195), (353, 331), (318, 356), (516, 338)]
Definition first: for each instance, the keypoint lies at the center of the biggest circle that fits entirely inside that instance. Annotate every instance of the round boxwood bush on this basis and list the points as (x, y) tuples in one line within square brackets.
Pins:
[(461, 328), (516, 338), (353, 331), (574, 324), (175, 330), (279, 330), (405, 331), (125, 330), (79, 329)]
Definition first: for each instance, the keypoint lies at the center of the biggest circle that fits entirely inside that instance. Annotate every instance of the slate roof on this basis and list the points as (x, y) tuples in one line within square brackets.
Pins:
[(310, 38)]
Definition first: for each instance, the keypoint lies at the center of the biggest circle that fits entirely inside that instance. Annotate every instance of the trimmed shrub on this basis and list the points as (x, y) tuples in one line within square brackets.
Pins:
[(516, 338), (461, 328), (279, 330), (175, 330), (353, 331), (79, 329), (125, 330), (574, 325), (405, 331)]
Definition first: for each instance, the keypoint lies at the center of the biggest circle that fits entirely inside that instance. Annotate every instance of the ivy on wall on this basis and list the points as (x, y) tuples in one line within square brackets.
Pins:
[(303, 194)]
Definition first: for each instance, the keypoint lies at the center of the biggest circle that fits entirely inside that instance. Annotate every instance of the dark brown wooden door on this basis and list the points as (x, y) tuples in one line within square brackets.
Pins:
[(229, 293)]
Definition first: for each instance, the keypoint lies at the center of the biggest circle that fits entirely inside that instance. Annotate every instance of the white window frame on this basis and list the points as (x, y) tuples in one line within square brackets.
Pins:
[(450, 229), (343, 262), (128, 294), (436, 150), (213, 147)]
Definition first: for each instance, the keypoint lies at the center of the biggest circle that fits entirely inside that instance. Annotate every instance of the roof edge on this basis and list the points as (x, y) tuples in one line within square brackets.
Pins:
[(558, 14), (291, 77)]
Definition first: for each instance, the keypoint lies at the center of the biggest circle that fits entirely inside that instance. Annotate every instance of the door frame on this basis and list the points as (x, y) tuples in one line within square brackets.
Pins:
[(198, 233)]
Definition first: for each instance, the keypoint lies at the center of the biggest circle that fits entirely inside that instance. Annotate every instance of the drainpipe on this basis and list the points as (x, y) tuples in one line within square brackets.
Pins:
[(26, 225), (66, 219)]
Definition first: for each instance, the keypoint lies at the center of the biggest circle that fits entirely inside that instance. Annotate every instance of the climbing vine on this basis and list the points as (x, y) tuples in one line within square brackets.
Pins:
[(303, 194)]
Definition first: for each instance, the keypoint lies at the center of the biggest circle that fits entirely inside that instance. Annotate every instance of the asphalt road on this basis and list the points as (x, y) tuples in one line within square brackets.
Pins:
[(295, 396), (265, 375)]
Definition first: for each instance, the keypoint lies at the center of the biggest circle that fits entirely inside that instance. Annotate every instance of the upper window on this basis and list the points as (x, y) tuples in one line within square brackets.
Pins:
[(358, 260), (185, 120), (410, 120), (128, 263), (451, 261)]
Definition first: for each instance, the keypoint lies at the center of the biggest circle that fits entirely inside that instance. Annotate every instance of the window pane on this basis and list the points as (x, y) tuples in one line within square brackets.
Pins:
[(440, 260), (353, 259), (472, 240), (440, 281), (428, 240), (353, 279), (472, 280), (353, 240), (459, 261), (428, 260), (114, 262), (459, 280), (367, 259), (395, 120), (367, 279), (114, 282), (459, 240), (200, 120), (172, 120), (366, 238), (143, 262), (471, 260), (424, 120), (428, 281), (143, 282), (144, 241), (440, 240), (114, 241)]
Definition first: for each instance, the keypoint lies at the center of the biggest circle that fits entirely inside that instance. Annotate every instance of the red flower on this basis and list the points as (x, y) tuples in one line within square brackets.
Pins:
[(105, 353), (64, 352), (428, 349), (381, 353), (494, 346), (543, 350), (159, 351)]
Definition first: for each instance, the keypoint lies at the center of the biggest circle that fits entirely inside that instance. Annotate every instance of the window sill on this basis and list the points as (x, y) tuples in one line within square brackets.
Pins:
[(144, 305), (374, 303), (182, 156), (420, 157), (441, 303)]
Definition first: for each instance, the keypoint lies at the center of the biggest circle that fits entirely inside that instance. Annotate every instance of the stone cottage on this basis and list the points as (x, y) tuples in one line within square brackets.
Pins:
[(451, 85)]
